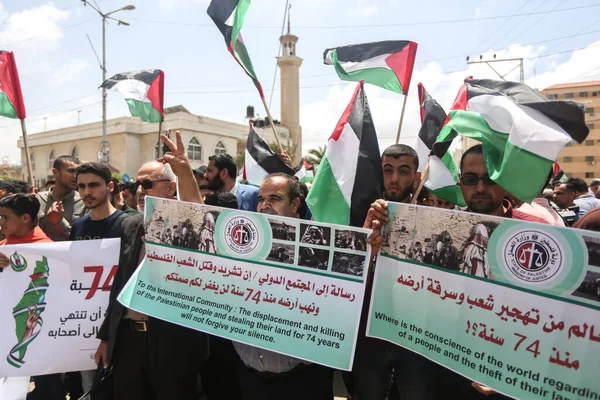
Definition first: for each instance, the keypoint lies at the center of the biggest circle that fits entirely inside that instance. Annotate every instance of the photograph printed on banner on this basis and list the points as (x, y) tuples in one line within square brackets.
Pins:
[(457, 242), (282, 253), (593, 248), (590, 287), (313, 258), (350, 240), (179, 226), (315, 234), (349, 264), (283, 230)]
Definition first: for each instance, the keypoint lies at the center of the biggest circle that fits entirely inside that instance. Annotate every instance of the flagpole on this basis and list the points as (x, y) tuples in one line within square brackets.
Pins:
[(158, 146), (401, 119), (271, 123), (424, 176), (24, 130)]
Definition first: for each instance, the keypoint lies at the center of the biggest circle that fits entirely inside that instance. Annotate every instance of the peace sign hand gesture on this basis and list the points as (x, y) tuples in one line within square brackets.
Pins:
[(176, 157)]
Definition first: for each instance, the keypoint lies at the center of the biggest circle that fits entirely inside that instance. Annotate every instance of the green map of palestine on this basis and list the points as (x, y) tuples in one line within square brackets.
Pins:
[(27, 313)]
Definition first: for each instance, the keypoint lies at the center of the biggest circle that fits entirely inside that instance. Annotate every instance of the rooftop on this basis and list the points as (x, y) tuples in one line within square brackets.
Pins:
[(573, 85)]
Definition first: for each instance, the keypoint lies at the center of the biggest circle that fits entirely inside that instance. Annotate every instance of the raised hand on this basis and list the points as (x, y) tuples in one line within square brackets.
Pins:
[(176, 157), (56, 212)]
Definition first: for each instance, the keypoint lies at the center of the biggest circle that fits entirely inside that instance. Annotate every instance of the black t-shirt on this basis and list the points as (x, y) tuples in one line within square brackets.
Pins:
[(85, 228)]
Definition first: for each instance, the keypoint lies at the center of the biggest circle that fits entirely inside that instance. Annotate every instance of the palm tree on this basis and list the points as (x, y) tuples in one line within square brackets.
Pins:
[(316, 155)]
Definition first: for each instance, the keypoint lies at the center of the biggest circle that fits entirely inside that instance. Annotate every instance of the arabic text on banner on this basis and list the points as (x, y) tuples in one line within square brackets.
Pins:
[(54, 299), (287, 285), (512, 305)]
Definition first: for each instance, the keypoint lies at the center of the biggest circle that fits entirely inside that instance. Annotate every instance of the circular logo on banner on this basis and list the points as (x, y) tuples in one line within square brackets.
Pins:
[(533, 256), (241, 235), (17, 262)]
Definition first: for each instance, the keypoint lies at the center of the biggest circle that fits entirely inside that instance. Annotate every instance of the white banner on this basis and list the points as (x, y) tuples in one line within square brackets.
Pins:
[(54, 300)]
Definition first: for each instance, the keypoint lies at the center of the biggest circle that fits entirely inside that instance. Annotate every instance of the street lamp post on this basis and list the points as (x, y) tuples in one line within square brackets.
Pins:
[(106, 16)]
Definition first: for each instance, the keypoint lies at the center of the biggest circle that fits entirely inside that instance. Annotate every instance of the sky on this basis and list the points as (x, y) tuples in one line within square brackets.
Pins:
[(60, 75)]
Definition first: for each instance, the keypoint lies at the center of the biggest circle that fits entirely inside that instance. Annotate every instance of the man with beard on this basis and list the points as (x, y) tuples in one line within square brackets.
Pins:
[(482, 195), (95, 186), (264, 374), (400, 163), (146, 353), (377, 361), (62, 206), (221, 173)]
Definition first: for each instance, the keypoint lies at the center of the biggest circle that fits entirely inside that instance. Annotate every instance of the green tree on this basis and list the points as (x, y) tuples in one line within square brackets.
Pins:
[(316, 155), (118, 176)]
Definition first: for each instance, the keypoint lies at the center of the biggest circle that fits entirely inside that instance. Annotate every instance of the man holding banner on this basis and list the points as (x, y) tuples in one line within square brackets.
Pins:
[(265, 374)]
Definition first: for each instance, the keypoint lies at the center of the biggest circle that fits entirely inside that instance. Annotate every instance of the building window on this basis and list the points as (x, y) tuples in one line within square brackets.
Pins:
[(589, 158), (75, 152), (594, 94), (568, 95), (589, 142), (194, 150), (589, 110), (51, 159), (567, 159), (32, 160), (220, 148), (552, 96), (583, 94), (589, 174)]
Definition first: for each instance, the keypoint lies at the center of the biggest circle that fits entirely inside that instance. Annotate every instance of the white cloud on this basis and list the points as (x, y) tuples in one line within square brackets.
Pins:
[(31, 34), (70, 70), (319, 118)]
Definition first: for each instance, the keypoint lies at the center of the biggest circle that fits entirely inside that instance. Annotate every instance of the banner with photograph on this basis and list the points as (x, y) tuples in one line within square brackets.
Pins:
[(288, 285), (54, 299), (509, 304)]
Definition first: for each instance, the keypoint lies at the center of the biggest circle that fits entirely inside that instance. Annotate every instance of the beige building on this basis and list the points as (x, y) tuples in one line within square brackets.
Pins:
[(132, 142), (581, 160)]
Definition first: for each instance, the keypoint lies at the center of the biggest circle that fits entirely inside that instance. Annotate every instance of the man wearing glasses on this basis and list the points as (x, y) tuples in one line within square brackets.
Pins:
[(482, 195), (151, 358)]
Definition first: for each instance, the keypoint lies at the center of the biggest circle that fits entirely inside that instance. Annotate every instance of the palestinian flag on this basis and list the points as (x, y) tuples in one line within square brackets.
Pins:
[(432, 119), (387, 64), (229, 15), (521, 131), (558, 175), (349, 177), (260, 160), (144, 92), (11, 97), (304, 171)]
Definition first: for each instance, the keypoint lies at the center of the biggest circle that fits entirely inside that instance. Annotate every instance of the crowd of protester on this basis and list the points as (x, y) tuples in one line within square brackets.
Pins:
[(154, 359)]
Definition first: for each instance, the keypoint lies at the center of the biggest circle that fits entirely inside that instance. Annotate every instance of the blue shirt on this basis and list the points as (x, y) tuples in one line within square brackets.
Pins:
[(586, 203), (85, 228)]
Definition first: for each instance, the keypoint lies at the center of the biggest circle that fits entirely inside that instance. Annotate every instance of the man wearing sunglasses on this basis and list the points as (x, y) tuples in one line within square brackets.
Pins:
[(482, 195), (151, 358)]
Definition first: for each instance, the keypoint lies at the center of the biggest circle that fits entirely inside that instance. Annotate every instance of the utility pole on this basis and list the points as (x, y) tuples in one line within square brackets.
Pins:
[(495, 60), (105, 16)]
